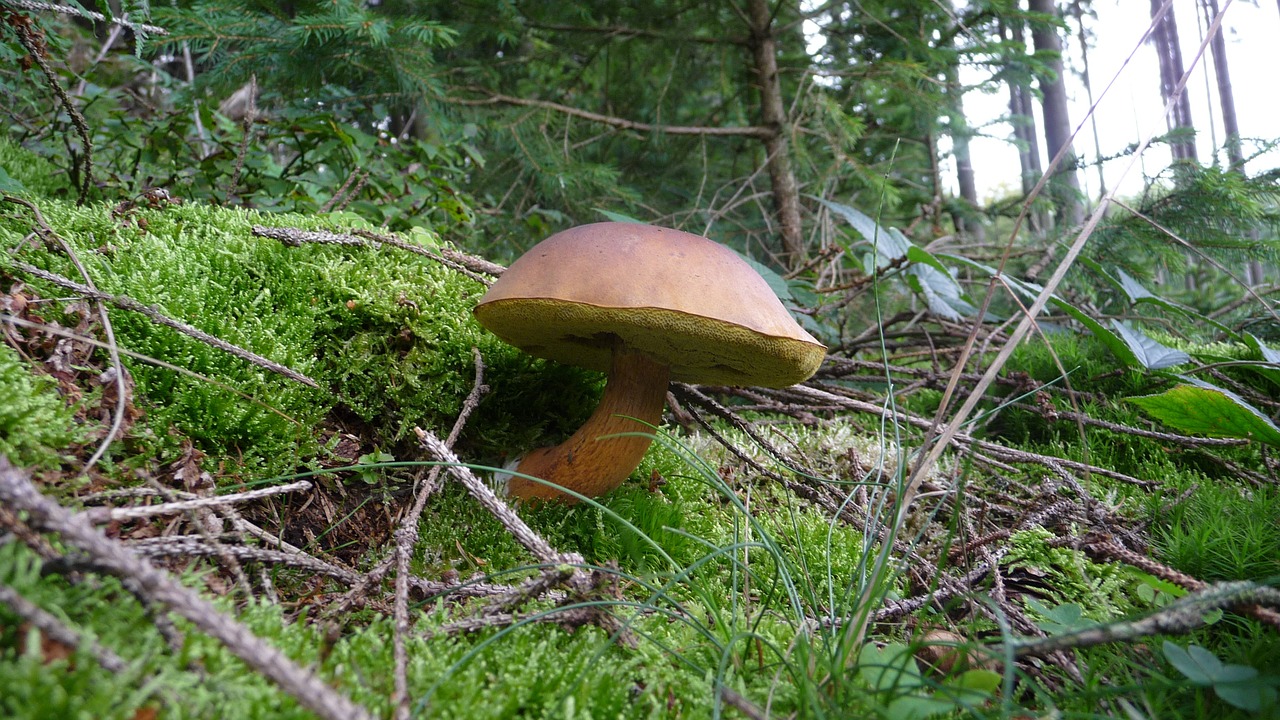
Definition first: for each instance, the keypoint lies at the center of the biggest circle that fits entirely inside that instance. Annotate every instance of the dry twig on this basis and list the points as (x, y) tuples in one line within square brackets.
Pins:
[(127, 303), (311, 692)]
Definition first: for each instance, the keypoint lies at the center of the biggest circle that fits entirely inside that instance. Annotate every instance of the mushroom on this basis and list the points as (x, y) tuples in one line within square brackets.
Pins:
[(647, 305)]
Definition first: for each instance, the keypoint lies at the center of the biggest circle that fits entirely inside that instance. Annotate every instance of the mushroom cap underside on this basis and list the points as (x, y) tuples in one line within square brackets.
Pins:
[(698, 349)]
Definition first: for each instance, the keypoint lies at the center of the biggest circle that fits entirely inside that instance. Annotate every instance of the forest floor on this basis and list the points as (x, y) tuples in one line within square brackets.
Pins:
[(268, 517)]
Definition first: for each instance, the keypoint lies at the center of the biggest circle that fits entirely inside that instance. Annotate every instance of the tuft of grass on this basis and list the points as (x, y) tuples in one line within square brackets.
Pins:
[(1223, 532)]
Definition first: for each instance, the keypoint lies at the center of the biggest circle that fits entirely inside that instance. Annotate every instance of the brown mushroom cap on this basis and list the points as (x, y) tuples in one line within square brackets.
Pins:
[(681, 299)]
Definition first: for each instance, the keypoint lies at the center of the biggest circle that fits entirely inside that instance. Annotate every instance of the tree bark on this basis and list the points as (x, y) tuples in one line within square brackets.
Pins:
[(773, 114), (1078, 10), (1230, 124), (1253, 270), (1065, 184), (1169, 52), (1024, 124), (960, 134)]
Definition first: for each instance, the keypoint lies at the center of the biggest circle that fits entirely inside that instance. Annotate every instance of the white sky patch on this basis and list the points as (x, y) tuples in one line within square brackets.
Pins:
[(1132, 107)]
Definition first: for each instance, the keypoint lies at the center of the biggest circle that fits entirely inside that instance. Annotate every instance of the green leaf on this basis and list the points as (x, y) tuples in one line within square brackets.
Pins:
[(917, 707), (1151, 354), (1267, 354), (1060, 619), (890, 669), (1139, 294), (1114, 343), (10, 184), (616, 217), (925, 275), (1190, 667), (869, 229), (1203, 409), (1244, 695)]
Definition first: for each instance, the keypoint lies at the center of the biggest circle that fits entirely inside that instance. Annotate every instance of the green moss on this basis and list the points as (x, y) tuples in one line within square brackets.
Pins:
[(1104, 591), (35, 423), (530, 671), (388, 336), (23, 172), (1222, 532)]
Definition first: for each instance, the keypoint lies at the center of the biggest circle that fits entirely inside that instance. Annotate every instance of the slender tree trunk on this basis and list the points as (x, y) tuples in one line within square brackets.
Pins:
[(1253, 271), (1170, 53), (1065, 186), (1230, 125), (966, 221), (773, 114), (1078, 10), (1024, 124)]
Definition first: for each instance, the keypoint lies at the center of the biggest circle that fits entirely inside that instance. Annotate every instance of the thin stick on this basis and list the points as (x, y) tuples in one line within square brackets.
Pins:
[(469, 265), (406, 536), (113, 349), (1180, 617), (127, 303), (309, 690), (102, 516), (35, 47), (140, 28), (55, 630)]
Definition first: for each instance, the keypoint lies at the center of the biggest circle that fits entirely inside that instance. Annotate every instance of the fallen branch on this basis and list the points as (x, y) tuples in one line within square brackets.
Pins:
[(55, 630), (309, 690), (101, 516), (470, 265), (1178, 618), (760, 132), (127, 303)]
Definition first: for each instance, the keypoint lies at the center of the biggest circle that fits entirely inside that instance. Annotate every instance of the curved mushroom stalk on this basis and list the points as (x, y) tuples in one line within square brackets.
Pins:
[(590, 462)]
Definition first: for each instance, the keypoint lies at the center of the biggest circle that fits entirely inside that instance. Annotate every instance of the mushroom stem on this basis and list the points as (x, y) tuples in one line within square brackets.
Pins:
[(590, 463)]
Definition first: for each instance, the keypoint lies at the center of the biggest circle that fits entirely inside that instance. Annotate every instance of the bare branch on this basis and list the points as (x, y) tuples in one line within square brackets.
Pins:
[(310, 691), (53, 628), (127, 303), (140, 28)]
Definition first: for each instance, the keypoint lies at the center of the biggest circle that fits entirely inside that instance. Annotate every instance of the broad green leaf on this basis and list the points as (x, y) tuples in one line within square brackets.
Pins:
[(858, 220), (1244, 695), (1203, 409), (918, 707), (925, 275), (1139, 294), (1060, 619), (890, 669), (1151, 354), (616, 217), (10, 184), (1267, 354), (1114, 343), (985, 681), (1190, 667)]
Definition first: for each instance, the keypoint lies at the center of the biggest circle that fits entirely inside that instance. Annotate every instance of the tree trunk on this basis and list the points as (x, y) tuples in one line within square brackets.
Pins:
[(1218, 47), (1170, 54), (1065, 185), (1078, 10), (965, 221), (1024, 125), (1253, 271), (773, 114)]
